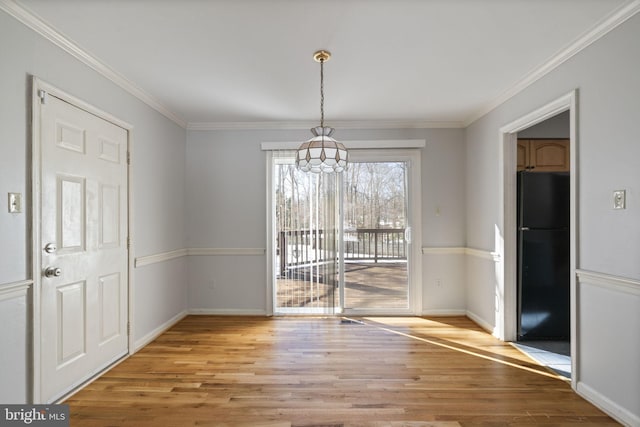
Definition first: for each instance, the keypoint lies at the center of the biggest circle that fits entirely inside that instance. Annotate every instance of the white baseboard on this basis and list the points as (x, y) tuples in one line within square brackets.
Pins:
[(481, 322), (611, 408), (444, 312), (139, 343), (227, 312)]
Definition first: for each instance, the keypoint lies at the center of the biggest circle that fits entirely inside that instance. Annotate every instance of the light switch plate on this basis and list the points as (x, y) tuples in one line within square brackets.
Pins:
[(619, 199), (15, 202)]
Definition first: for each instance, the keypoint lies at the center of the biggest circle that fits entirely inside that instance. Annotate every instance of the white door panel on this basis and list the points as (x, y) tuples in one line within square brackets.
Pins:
[(70, 307), (84, 213)]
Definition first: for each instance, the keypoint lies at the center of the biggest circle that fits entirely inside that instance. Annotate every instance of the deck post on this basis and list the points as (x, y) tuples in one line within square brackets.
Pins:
[(283, 253), (375, 246)]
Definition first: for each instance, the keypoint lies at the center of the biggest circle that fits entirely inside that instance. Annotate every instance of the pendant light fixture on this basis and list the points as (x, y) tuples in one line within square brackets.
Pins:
[(322, 153)]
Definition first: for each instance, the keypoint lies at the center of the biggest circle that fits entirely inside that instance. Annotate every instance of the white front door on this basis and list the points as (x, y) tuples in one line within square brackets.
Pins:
[(83, 244)]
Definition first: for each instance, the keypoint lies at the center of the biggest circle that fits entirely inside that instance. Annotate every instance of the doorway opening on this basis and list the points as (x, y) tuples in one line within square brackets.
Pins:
[(543, 242), (507, 315), (342, 243)]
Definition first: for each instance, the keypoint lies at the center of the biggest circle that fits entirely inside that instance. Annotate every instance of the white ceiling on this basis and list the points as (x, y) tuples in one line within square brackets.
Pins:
[(234, 63)]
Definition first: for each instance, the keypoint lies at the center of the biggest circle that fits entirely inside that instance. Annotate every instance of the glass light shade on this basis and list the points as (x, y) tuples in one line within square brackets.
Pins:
[(322, 153)]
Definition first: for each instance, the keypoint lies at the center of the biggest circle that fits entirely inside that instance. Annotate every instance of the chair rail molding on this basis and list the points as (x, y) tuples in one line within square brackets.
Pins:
[(179, 253), (15, 289), (458, 250), (225, 251), (615, 283), (159, 257)]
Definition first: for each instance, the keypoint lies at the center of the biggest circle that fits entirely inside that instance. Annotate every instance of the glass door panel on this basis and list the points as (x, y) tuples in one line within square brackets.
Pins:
[(375, 230), (306, 240)]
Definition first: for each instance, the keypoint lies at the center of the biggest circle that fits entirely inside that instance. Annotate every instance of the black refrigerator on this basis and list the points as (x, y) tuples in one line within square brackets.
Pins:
[(543, 256)]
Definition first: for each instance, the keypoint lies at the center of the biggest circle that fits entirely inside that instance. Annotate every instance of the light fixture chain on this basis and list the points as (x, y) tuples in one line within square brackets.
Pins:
[(322, 92)]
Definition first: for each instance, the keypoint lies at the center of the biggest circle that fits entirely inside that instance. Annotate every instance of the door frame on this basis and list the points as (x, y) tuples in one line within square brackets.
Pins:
[(506, 280), (38, 85), (411, 149)]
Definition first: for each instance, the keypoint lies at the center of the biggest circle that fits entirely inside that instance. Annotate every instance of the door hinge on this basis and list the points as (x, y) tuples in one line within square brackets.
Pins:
[(128, 157), (43, 96), (128, 242), (128, 328)]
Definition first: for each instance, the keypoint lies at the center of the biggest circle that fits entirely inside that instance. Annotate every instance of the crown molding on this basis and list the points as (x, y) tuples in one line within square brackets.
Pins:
[(347, 124), (38, 25), (352, 144), (609, 23)]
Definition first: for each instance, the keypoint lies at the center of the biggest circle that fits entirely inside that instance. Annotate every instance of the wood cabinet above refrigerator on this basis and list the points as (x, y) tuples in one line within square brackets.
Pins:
[(543, 155)]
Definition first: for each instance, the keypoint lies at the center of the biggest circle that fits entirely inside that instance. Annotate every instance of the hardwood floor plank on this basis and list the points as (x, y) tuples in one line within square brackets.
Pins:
[(439, 372)]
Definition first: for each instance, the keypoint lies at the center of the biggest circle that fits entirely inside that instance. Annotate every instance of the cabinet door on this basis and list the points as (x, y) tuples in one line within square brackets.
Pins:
[(523, 154), (549, 155)]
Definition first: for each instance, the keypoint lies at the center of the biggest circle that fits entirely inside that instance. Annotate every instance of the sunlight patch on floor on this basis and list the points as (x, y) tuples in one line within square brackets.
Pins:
[(451, 345)]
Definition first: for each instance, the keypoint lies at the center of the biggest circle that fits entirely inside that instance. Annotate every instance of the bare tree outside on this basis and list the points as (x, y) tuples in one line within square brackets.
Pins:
[(375, 195)]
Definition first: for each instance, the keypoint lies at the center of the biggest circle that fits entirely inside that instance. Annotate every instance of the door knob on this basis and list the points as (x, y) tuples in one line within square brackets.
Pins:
[(52, 272), (50, 248)]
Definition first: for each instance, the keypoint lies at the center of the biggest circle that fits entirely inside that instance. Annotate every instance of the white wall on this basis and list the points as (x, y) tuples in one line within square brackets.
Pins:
[(605, 74), (443, 217), (158, 178), (16, 52), (227, 201), (160, 298), (609, 316), (14, 373)]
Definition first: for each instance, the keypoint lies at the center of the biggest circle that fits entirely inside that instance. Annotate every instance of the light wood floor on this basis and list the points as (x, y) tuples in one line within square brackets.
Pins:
[(438, 372)]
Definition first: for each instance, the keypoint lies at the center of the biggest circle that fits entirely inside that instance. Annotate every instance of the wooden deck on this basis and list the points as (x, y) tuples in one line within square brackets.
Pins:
[(376, 285), (367, 285), (243, 371)]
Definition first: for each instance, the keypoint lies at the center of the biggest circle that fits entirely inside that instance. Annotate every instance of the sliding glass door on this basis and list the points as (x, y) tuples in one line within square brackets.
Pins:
[(342, 242)]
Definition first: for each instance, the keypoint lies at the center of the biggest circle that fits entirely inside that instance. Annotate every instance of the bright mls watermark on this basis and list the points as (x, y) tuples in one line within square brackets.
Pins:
[(34, 415)]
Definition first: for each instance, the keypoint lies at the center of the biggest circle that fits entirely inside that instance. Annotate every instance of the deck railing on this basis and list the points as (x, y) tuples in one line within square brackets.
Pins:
[(301, 247)]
